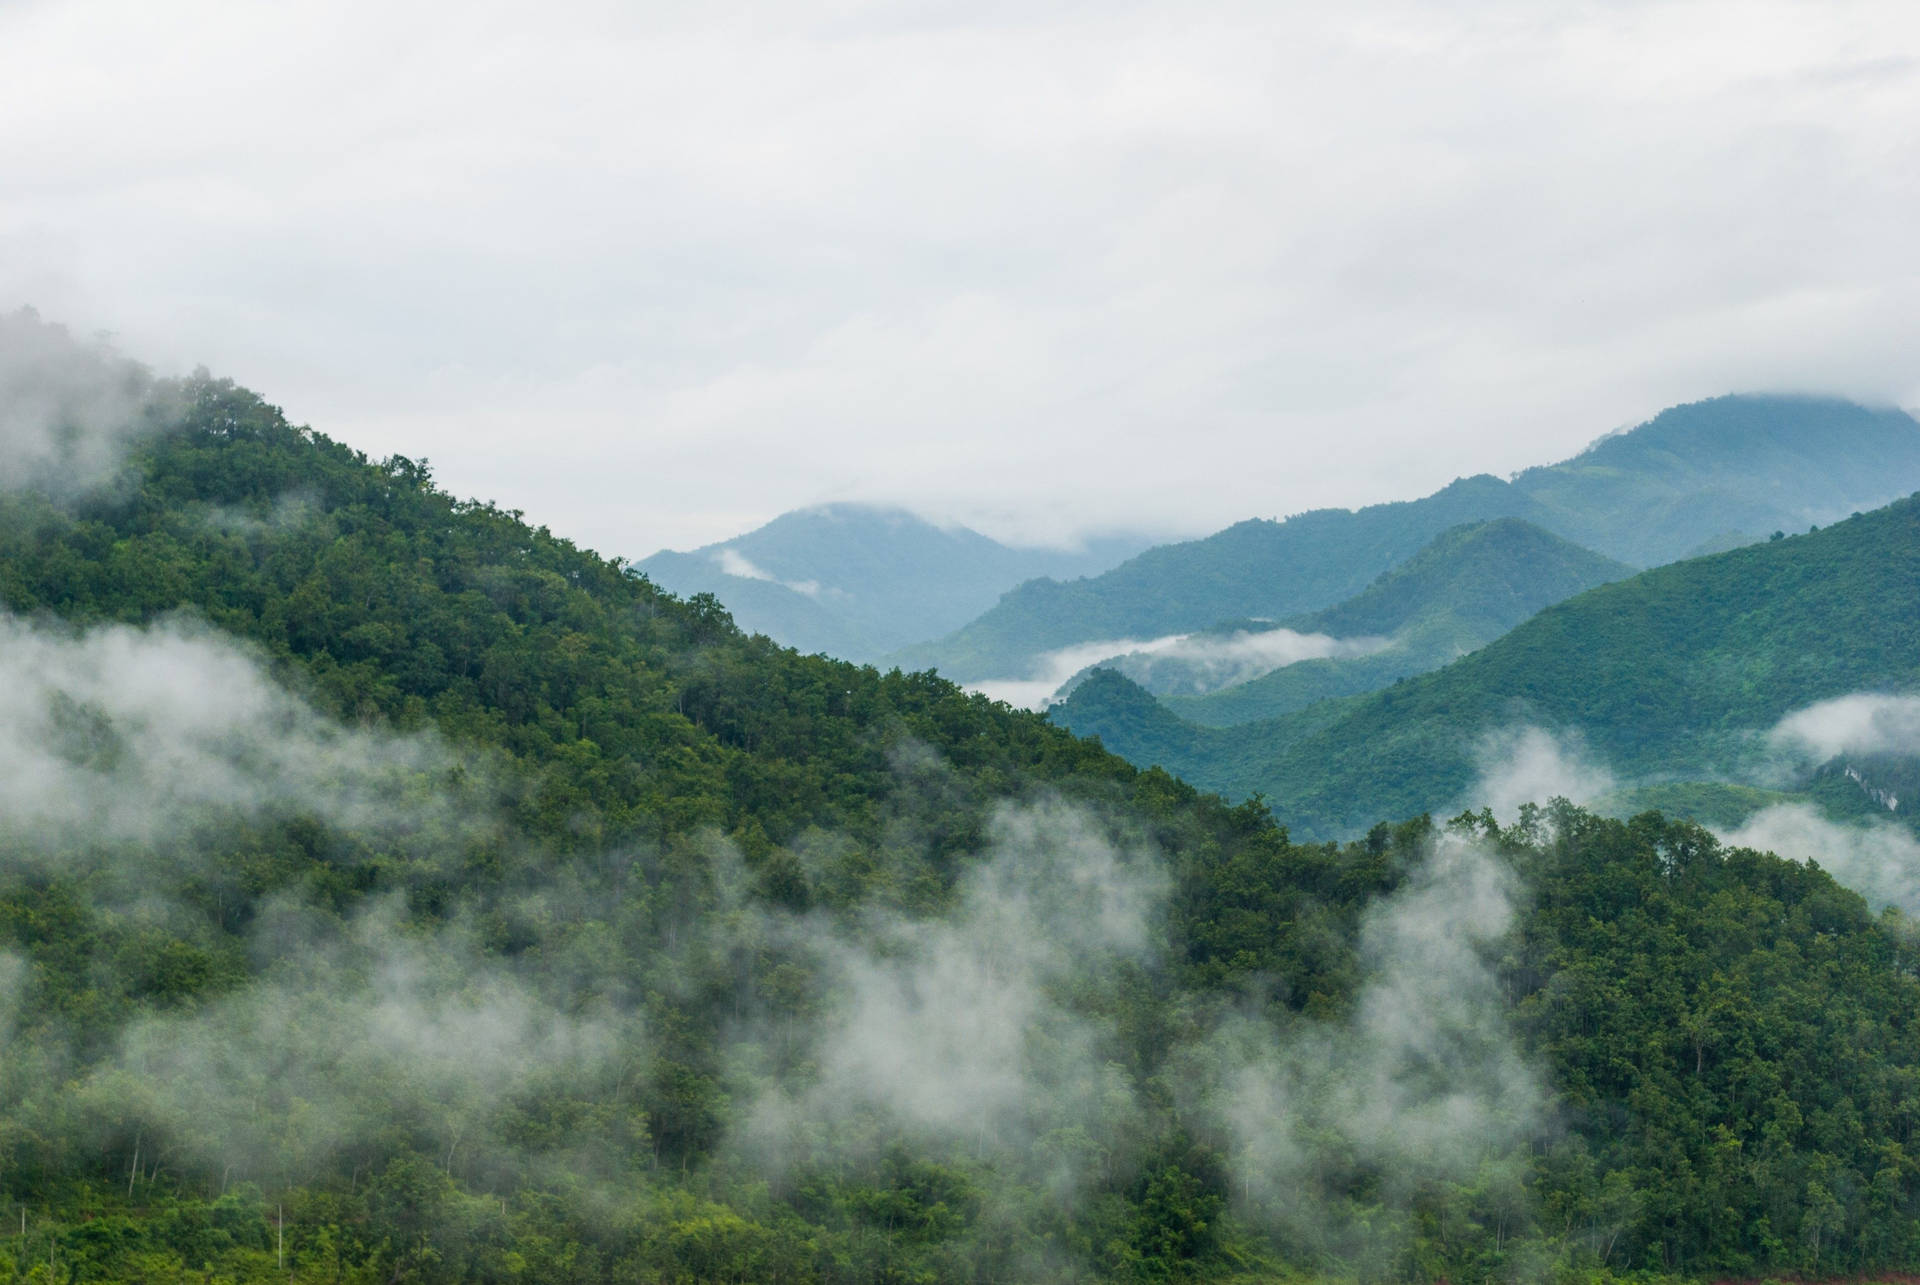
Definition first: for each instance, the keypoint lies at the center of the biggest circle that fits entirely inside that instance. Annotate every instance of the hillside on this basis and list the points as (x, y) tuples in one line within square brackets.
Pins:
[(1472, 584), (856, 581), (391, 891), (1673, 673), (1693, 474), (1254, 569), (1692, 477)]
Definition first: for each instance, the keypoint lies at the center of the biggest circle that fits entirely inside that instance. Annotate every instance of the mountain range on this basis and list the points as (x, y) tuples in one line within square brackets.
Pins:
[(856, 581), (391, 891), (1677, 673), (1704, 476)]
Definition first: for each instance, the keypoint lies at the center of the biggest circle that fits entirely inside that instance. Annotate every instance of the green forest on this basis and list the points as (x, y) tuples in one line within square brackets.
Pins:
[(1678, 672), (391, 891)]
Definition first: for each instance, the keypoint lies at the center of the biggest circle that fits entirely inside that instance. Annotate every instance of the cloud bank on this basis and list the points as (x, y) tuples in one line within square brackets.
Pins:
[(67, 408), (1862, 723), (1532, 765), (1199, 662), (125, 735), (1879, 860)]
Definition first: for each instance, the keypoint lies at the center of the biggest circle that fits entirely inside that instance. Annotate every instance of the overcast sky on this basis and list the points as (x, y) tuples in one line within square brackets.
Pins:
[(655, 273)]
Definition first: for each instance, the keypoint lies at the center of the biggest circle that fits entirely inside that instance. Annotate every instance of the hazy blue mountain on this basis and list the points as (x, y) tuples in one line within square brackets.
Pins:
[(856, 581), (1472, 584), (1671, 674), (1696, 477), (1257, 568)]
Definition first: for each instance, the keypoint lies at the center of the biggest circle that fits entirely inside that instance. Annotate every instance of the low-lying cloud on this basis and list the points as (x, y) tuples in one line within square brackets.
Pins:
[(1862, 723), (1424, 1082), (732, 562), (353, 1030), (68, 408), (991, 1031), (1532, 765), (1188, 663), (974, 1028), (124, 734), (1880, 860)]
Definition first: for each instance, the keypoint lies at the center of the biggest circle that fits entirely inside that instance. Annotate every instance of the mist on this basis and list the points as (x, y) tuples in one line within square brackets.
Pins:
[(1880, 860), (68, 408), (1525, 764), (983, 1029), (351, 1032), (1424, 1083), (122, 735), (1195, 663), (1861, 723)]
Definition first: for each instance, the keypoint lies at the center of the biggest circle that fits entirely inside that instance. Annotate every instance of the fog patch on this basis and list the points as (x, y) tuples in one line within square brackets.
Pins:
[(1879, 860), (1423, 1083), (292, 511), (135, 735), (68, 407), (982, 1029), (1195, 663), (354, 1033), (1862, 723), (1532, 765), (734, 563)]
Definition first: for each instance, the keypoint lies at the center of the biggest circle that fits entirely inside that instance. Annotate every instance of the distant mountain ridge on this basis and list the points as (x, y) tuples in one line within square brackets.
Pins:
[(1674, 673), (857, 580), (1469, 586), (1706, 474)]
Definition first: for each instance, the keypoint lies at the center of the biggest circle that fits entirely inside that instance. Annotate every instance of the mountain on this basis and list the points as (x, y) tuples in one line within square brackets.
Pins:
[(392, 891), (1678, 672), (856, 581), (1472, 584), (1253, 569), (1695, 476)]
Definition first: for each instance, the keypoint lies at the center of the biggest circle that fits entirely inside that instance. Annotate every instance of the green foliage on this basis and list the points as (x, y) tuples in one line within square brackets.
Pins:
[(674, 825)]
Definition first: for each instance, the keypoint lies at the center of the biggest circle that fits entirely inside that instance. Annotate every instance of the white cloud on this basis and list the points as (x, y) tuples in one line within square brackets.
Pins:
[(1210, 660), (68, 407), (732, 562), (1862, 723), (654, 273), (975, 1027), (136, 735), (351, 1030), (1879, 860), (1425, 1079), (1531, 765)]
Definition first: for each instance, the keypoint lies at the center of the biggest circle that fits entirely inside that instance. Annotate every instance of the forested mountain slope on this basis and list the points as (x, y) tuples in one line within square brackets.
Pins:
[(1675, 672), (856, 581), (1472, 584), (1729, 468), (1253, 569), (390, 891)]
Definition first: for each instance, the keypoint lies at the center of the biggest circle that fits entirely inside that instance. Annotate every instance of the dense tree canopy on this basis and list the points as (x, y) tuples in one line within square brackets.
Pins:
[(555, 930)]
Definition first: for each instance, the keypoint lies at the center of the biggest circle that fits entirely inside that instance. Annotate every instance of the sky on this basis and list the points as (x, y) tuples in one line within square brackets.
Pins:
[(655, 273)]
